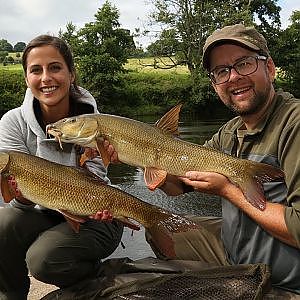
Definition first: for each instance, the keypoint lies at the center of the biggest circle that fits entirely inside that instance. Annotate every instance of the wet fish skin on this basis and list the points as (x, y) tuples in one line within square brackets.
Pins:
[(155, 149), (76, 194)]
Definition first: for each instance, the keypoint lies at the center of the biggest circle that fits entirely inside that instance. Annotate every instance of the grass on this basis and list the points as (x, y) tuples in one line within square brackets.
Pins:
[(143, 65), (150, 65), (16, 67)]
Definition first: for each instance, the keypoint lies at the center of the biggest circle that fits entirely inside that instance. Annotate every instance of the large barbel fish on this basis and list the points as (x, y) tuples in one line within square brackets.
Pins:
[(77, 195), (159, 151)]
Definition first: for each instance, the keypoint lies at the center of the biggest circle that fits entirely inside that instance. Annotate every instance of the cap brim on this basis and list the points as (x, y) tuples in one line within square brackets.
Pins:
[(222, 41)]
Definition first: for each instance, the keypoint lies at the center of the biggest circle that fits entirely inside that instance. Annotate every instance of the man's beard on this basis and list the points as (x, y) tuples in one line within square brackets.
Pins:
[(257, 103)]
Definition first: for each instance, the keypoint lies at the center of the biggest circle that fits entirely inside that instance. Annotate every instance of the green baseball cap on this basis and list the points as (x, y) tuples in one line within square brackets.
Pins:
[(247, 37)]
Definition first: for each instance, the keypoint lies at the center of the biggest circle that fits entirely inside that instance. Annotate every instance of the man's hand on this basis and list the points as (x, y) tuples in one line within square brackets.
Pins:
[(208, 182)]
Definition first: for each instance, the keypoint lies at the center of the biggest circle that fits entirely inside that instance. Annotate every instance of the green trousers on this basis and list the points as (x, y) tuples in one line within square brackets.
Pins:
[(42, 243), (204, 245)]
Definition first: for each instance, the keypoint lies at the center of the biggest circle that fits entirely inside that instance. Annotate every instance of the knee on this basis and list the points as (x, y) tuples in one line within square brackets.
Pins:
[(37, 260), (11, 225), (8, 219), (48, 264)]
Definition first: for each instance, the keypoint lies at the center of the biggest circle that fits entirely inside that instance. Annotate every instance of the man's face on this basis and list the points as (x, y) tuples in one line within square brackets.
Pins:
[(244, 94)]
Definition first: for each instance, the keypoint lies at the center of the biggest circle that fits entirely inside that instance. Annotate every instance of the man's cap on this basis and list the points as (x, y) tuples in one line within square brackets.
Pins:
[(248, 37)]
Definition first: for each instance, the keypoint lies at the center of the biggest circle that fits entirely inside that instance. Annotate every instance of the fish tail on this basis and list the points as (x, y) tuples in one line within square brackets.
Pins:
[(252, 187), (161, 236)]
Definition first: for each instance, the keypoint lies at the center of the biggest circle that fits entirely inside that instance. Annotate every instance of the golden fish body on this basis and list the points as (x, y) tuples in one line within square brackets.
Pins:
[(72, 191), (155, 149)]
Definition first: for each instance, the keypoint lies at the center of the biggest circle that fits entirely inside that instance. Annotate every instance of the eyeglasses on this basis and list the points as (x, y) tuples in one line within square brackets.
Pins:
[(245, 66)]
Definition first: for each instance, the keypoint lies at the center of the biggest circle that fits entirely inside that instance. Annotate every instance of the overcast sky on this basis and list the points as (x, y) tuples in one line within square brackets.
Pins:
[(22, 20)]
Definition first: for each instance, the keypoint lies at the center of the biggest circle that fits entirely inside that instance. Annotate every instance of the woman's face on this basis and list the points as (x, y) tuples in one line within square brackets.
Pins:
[(48, 77)]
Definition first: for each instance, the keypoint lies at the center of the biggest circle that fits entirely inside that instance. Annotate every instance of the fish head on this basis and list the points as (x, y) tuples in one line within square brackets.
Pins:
[(81, 130)]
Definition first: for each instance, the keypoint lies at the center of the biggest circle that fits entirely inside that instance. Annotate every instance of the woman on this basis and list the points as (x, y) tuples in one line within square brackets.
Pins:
[(33, 238)]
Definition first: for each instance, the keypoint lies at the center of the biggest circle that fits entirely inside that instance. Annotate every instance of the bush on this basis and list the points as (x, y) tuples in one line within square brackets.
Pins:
[(12, 88)]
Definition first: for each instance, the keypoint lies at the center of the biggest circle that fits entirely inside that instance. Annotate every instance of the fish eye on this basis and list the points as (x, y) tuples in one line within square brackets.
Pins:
[(73, 120)]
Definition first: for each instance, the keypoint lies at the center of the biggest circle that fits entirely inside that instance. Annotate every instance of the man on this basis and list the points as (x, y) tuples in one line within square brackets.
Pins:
[(267, 129)]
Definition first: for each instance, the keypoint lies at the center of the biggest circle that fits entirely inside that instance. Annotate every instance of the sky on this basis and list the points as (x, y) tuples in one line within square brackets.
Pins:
[(22, 20)]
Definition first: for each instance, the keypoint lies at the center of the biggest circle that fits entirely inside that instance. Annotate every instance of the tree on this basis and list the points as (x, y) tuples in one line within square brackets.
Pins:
[(19, 47), (288, 58), (191, 21), (5, 46), (70, 35), (3, 54), (101, 49)]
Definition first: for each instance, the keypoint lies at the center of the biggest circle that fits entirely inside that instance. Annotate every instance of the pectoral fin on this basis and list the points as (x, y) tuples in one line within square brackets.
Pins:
[(154, 177), (73, 220), (83, 159), (104, 154), (6, 191)]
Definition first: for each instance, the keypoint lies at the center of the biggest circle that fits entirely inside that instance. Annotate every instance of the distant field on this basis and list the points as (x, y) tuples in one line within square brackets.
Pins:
[(148, 65), (16, 67), (133, 64)]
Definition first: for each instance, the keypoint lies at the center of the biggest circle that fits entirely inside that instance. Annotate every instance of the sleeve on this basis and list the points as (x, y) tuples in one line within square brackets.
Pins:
[(11, 132), (97, 167), (215, 141), (290, 163)]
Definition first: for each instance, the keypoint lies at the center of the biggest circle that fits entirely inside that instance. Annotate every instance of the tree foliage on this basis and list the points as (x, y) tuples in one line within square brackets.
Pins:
[(288, 54), (190, 22), (19, 47), (5, 46), (101, 48)]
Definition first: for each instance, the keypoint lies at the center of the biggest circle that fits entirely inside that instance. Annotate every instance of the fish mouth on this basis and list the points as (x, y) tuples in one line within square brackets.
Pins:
[(57, 134), (61, 137)]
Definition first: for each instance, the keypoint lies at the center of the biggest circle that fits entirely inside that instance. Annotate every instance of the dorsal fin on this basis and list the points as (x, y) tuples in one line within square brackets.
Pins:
[(169, 121)]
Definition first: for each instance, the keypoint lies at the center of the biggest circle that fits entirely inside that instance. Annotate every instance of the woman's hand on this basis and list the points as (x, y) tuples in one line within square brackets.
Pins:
[(14, 188), (111, 152), (90, 153), (104, 215)]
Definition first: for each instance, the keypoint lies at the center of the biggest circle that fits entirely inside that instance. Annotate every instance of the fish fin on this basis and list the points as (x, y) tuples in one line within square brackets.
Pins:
[(6, 191), (154, 177), (168, 123), (92, 176), (127, 222), (165, 235), (4, 162), (252, 188), (104, 154), (73, 220), (83, 159)]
